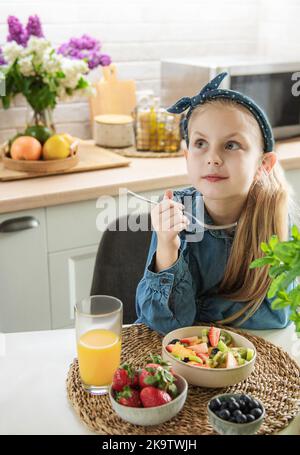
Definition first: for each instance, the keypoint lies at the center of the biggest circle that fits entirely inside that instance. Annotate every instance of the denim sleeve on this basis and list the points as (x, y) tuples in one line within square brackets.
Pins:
[(165, 300)]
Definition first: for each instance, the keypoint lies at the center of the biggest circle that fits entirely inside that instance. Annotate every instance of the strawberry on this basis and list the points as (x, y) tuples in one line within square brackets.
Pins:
[(199, 348), (129, 397), (214, 336), (124, 376), (189, 340), (151, 396), (231, 361), (203, 357)]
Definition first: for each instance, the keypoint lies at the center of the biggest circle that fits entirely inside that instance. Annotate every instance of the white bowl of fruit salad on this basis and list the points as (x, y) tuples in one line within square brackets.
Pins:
[(209, 356)]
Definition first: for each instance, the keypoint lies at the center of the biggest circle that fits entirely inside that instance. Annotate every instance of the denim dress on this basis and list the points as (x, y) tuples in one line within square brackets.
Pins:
[(180, 295)]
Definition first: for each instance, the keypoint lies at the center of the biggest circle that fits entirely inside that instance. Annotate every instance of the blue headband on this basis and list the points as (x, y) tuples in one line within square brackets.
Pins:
[(211, 91)]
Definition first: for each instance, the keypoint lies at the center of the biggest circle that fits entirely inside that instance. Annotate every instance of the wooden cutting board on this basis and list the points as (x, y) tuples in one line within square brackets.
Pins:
[(113, 96), (91, 157)]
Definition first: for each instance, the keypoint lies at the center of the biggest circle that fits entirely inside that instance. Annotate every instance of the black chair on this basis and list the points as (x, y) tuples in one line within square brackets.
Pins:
[(120, 263)]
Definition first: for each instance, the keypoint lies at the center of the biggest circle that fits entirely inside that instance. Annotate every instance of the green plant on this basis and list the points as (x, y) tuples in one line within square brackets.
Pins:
[(284, 261)]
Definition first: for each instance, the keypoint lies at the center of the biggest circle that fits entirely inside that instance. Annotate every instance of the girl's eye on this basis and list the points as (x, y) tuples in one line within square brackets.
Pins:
[(236, 143), (199, 140)]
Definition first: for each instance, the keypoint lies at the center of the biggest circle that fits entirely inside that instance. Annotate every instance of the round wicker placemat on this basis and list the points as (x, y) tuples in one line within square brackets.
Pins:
[(275, 381), (132, 152)]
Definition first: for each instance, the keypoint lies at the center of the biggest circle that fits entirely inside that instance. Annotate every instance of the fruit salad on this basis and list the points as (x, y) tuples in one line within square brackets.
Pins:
[(151, 386), (211, 348)]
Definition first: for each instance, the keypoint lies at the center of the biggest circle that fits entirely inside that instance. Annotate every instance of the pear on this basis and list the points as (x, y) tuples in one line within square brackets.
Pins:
[(56, 147)]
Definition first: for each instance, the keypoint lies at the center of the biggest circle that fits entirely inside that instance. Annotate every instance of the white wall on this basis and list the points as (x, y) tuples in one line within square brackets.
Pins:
[(137, 35)]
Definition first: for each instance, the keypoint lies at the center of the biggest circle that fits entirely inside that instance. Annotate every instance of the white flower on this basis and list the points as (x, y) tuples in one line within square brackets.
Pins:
[(73, 70), (38, 45), (12, 51), (26, 66), (52, 62)]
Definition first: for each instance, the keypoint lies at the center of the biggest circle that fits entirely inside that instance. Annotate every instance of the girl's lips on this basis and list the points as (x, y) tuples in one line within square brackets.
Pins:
[(215, 179)]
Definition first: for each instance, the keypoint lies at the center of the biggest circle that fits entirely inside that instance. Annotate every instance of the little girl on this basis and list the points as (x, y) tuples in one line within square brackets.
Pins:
[(228, 135)]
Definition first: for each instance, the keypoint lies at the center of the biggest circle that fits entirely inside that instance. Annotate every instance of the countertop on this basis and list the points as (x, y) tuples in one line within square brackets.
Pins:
[(34, 369), (143, 174)]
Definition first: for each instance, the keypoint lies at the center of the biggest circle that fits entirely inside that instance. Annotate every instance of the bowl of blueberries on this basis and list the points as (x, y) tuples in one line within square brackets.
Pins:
[(235, 414)]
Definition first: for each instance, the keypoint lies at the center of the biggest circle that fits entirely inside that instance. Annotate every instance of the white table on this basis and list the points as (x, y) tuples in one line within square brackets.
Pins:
[(33, 373)]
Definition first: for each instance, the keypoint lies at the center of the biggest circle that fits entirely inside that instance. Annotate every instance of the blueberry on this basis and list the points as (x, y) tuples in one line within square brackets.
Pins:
[(224, 405), (215, 404), (237, 413), (256, 412), (246, 399), (174, 341), (233, 406), (223, 414), (214, 351), (242, 404), (253, 404), (241, 418), (250, 418), (186, 359)]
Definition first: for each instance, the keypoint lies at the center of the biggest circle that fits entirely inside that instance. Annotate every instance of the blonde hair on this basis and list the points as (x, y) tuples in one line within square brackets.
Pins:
[(269, 202)]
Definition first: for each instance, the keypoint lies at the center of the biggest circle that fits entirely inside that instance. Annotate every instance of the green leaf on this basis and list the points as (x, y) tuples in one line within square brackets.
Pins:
[(261, 261), (295, 232), (278, 304)]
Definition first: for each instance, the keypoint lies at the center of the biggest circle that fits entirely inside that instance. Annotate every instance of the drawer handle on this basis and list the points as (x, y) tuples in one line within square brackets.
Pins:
[(19, 224)]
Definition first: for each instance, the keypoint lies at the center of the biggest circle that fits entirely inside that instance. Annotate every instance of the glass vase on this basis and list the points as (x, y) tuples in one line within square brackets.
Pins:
[(42, 118)]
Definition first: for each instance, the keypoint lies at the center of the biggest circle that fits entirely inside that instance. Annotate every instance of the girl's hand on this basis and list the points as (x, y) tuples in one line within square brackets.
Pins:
[(168, 220)]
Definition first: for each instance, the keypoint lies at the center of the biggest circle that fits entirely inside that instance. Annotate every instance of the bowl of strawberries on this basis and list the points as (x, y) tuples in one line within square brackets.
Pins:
[(150, 395), (209, 356)]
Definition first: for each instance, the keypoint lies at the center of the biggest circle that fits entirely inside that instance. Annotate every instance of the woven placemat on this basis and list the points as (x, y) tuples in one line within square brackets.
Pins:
[(134, 153), (275, 381)]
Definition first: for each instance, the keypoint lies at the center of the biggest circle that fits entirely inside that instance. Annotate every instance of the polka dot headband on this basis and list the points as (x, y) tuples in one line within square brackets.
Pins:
[(211, 91)]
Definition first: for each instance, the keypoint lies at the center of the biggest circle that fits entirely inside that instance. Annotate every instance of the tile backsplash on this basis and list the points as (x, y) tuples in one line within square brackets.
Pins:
[(137, 35)]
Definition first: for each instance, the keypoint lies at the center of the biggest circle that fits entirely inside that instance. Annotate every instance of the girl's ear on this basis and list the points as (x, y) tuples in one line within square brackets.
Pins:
[(269, 161), (266, 164)]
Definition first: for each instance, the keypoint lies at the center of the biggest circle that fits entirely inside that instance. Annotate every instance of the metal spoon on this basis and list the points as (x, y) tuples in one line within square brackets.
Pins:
[(208, 226)]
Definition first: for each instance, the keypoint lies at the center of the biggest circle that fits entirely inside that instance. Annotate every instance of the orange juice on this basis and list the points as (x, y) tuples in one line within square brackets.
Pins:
[(99, 352)]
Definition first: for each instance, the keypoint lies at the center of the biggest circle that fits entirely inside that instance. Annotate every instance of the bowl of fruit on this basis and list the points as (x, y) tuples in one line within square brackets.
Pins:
[(209, 356), (235, 414), (147, 396), (37, 149)]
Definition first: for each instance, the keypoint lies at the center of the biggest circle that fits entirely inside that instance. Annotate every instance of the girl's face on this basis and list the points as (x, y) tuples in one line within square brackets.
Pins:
[(225, 141)]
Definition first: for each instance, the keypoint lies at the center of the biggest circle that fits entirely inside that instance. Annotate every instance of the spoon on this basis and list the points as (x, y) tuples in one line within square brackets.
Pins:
[(208, 226)]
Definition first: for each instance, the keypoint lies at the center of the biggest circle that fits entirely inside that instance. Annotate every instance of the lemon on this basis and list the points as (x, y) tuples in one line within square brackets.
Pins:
[(56, 147), (68, 137)]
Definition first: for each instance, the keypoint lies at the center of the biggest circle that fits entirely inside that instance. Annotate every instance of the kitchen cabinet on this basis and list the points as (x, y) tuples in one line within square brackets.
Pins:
[(44, 270), (24, 284)]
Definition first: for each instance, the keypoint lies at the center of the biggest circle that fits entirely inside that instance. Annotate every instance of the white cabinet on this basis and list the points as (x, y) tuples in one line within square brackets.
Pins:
[(71, 273), (24, 286)]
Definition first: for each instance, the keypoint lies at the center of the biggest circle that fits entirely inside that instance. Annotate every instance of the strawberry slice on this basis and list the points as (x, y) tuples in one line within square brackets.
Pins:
[(199, 348), (214, 336), (231, 361), (189, 340), (203, 357)]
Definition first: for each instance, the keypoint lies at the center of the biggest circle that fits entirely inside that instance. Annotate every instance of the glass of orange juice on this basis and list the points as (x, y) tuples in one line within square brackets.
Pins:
[(98, 323)]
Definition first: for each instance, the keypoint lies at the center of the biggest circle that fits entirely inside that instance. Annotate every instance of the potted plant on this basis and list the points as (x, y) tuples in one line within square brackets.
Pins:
[(30, 65), (284, 260)]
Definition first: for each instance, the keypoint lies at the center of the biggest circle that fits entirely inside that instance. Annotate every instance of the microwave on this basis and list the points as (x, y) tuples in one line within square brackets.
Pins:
[(271, 83)]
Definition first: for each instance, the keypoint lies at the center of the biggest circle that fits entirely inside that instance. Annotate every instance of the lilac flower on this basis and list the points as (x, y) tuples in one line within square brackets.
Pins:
[(34, 27), (86, 48), (2, 59), (16, 31)]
